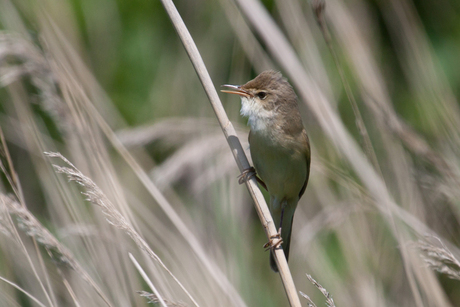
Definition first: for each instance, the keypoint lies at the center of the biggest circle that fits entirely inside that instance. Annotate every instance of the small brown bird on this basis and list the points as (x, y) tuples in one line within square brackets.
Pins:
[(279, 146)]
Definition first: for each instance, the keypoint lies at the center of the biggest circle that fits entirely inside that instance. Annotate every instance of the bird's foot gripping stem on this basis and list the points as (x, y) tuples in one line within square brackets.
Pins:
[(247, 174), (274, 242)]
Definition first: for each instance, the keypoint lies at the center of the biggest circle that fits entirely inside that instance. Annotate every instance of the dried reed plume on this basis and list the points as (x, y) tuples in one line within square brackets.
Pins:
[(438, 257), (57, 252), (97, 197), (327, 295), (152, 299)]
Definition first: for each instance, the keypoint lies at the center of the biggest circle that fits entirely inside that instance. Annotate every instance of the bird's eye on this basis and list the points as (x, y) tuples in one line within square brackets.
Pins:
[(262, 95)]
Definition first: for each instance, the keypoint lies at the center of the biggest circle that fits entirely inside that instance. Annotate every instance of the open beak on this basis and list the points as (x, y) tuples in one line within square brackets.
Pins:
[(236, 89)]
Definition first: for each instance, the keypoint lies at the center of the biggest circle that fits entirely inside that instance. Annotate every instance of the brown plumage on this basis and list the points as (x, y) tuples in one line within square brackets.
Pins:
[(279, 145)]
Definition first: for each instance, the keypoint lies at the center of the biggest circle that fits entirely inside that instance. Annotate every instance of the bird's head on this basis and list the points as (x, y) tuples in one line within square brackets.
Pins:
[(267, 97)]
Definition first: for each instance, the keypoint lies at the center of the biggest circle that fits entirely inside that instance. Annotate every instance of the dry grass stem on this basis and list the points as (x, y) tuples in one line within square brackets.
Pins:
[(235, 146), (97, 197), (170, 131), (319, 7), (147, 280), (251, 46), (10, 173), (23, 291)]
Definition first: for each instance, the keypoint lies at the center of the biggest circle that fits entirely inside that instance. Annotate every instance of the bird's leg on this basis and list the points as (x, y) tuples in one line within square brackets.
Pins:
[(271, 244), (274, 241), (247, 174), (282, 214)]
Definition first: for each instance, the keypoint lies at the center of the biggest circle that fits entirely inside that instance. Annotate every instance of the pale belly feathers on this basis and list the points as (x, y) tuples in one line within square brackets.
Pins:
[(283, 169)]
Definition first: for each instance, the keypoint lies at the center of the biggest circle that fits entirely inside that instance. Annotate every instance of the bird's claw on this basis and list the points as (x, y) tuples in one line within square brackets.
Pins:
[(247, 174), (274, 242)]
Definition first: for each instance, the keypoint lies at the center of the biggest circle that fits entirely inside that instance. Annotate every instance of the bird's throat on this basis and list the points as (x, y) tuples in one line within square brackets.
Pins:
[(259, 118)]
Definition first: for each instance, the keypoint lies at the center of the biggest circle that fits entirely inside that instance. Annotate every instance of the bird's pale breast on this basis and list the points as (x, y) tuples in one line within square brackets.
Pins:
[(281, 165)]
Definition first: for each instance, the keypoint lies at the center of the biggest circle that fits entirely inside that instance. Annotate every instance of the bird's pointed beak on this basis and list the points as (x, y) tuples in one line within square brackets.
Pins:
[(236, 89)]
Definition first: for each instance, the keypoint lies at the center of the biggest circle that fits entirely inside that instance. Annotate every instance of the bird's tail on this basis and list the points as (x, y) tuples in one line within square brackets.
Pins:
[(285, 235)]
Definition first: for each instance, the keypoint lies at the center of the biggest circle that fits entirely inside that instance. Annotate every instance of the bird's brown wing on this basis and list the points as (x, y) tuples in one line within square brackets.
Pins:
[(307, 157)]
